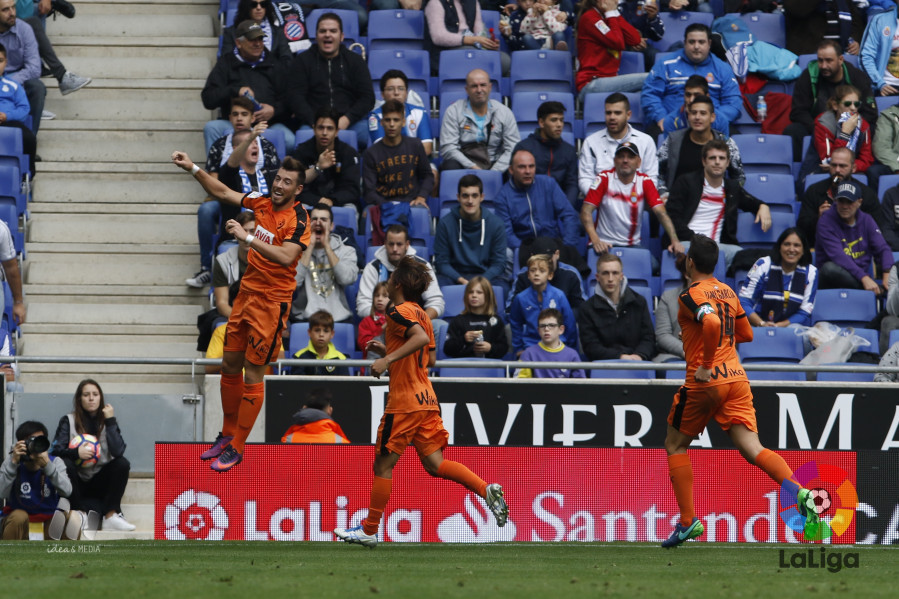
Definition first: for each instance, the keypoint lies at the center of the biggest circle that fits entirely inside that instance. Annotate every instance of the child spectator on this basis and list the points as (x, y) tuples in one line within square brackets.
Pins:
[(535, 25), (478, 331), (313, 422), (15, 108), (372, 326), (550, 349), (321, 335), (528, 304), (841, 126)]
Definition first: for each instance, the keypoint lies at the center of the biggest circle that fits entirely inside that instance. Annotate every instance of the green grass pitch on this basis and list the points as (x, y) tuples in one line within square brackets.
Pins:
[(128, 569)]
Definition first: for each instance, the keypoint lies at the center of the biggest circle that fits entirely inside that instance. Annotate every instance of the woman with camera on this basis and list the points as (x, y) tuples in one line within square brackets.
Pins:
[(99, 472)]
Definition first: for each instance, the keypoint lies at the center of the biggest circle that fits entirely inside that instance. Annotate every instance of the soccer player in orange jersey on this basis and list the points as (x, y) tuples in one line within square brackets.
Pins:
[(412, 415), (712, 323), (253, 333)]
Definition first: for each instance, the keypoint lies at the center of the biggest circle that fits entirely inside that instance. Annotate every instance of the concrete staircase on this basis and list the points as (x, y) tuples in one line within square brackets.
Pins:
[(112, 229), (112, 234)]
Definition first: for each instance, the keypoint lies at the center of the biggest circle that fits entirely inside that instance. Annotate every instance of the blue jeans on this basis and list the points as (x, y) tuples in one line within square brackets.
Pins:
[(532, 43), (213, 130), (632, 82), (209, 215)]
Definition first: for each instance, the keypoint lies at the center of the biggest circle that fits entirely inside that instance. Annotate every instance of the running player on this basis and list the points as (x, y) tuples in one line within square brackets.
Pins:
[(712, 323), (259, 314), (412, 415)]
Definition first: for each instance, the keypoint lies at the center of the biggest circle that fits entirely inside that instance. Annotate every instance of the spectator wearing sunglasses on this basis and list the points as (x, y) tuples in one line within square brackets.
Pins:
[(263, 13), (843, 127)]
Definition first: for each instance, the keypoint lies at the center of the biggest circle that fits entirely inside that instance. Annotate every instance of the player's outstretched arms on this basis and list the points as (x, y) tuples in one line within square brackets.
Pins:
[(213, 186)]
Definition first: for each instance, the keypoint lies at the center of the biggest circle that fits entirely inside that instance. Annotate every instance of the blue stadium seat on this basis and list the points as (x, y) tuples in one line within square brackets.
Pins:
[(675, 25), (884, 102), (454, 298), (414, 63), (885, 184), (276, 137), (772, 344), (525, 105), (496, 372), (595, 111), (440, 328), (636, 263), (11, 186), (745, 124), (844, 377), (11, 145), (872, 336), (596, 373), (815, 177), (541, 70), (775, 189), (10, 217), (351, 291), (345, 216), (767, 27), (491, 20), (671, 277), (845, 307), (750, 234), (763, 153), (631, 62), (350, 20), (344, 338), (894, 337), (395, 30), (420, 226), (456, 64)]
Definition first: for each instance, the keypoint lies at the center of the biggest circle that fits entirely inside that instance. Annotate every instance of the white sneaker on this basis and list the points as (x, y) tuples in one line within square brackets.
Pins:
[(47, 115), (200, 280), (356, 535), (117, 522), (496, 503), (72, 83)]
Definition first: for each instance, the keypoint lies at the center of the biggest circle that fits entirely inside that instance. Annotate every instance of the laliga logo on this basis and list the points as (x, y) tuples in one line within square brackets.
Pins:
[(195, 515), (478, 527), (832, 497)]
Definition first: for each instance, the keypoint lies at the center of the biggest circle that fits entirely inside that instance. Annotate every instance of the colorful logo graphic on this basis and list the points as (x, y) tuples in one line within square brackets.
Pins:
[(832, 497), (195, 515)]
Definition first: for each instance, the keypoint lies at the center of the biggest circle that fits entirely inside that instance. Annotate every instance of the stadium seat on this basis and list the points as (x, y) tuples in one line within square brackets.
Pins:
[(344, 338), (775, 189), (872, 336), (763, 153), (453, 297), (9, 215), (675, 25), (276, 137), (815, 177), (844, 377), (894, 337), (345, 216), (676, 374), (456, 64), (11, 145), (541, 70), (595, 111), (636, 263), (350, 20), (886, 183), (414, 63), (772, 344), (631, 62), (767, 27), (497, 372), (750, 234), (884, 102), (525, 105), (491, 20), (351, 291), (11, 187), (745, 124), (671, 277), (845, 307), (440, 328), (395, 30), (420, 225), (596, 373)]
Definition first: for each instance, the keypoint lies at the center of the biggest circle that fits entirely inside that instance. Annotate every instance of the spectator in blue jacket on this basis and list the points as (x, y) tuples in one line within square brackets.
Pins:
[(533, 206), (470, 241), (877, 47), (527, 306), (663, 90), (14, 105), (554, 156)]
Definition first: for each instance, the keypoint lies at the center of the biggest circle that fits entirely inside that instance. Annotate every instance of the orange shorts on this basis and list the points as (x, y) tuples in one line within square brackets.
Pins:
[(422, 429), (255, 327), (728, 404)]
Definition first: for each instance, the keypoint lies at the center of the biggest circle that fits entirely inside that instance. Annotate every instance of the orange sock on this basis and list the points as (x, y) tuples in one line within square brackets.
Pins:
[(250, 404), (457, 472), (232, 391), (681, 472), (380, 495), (773, 465)]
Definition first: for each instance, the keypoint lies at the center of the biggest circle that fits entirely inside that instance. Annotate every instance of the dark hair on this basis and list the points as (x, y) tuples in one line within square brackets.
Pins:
[(295, 166), (517, 152), (393, 107), (29, 427), (715, 144), (322, 207), (244, 9), (694, 81), (831, 44), (322, 318), (412, 277), (693, 27), (470, 180), (318, 399), (397, 229), (703, 100), (806, 257), (333, 16), (244, 217), (393, 74), (80, 415), (616, 98), (326, 112), (242, 102), (551, 313), (548, 108), (704, 254)]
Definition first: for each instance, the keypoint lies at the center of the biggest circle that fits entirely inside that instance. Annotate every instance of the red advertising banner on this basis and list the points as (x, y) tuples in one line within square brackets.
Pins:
[(302, 492)]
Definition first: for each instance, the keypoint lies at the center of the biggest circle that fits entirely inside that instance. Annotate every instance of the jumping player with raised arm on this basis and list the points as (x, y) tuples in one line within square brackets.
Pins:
[(259, 314), (712, 323), (412, 415)]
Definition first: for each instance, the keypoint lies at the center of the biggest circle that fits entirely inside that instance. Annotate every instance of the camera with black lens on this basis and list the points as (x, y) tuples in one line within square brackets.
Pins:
[(34, 446)]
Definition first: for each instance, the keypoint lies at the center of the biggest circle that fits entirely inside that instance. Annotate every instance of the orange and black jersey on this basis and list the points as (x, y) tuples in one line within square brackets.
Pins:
[(410, 387)]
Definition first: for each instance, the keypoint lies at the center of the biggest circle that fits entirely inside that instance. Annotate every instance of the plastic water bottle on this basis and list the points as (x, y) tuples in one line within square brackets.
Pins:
[(761, 108)]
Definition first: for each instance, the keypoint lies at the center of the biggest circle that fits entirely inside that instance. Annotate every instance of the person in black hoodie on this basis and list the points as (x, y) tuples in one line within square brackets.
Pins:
[(554, 156), (478, 331), (328, 74), (338, 184), (100, 486)]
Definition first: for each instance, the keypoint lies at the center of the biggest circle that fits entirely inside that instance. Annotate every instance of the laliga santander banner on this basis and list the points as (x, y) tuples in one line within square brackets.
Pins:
[(303, 492)]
